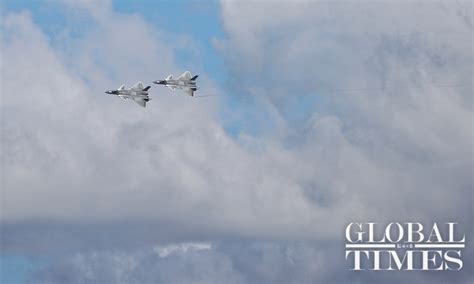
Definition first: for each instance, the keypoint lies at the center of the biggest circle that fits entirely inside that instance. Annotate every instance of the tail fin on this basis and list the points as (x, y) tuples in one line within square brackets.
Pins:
[(121, 88), (169, 77), (146, 88), (194, 78)]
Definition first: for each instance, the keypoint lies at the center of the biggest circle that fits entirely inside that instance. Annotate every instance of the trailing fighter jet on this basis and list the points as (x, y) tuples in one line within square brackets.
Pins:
[(136, 93), (186, 82)]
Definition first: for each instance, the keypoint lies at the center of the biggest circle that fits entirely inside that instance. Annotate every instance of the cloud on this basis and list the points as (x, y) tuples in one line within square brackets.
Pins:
[(164, 251), (106, 160), (393, 96), (226, 262), (101, 159), (97, 182)]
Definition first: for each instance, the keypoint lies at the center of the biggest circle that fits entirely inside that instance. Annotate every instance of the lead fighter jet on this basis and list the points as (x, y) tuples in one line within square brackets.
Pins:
[(185, 82), (136, 93)]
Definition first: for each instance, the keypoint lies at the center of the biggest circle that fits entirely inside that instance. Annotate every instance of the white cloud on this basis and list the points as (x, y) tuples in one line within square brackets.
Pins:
[(181, 248), (72, 154), (76, 154), (379, 150)]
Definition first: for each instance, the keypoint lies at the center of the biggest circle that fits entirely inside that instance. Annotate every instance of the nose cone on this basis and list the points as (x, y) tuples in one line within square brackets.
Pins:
[(160, 82), (111, 92)]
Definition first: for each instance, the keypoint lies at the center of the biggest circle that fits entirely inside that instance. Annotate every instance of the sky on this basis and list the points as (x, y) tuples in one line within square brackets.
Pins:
[(314, 114)]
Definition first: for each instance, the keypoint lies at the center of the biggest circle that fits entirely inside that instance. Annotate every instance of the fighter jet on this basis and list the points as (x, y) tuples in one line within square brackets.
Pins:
[(186, 82), (136, 93)]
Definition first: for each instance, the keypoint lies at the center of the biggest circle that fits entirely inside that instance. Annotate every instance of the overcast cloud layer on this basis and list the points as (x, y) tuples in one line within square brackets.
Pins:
[(100, 187)]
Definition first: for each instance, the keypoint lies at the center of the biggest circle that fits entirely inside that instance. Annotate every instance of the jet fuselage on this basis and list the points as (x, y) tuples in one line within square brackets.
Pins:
[(178, 84), (127, 93)]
